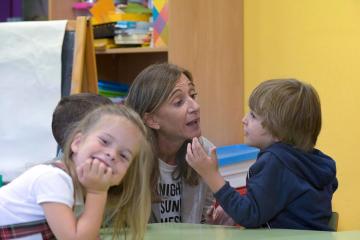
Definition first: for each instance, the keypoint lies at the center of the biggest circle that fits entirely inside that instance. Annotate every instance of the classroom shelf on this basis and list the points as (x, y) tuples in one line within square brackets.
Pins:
[(132, 50), (211, 50)]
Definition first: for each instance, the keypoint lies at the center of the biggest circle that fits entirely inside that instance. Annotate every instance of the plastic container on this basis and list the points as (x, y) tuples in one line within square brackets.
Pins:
[(234, 162), (82, 8)]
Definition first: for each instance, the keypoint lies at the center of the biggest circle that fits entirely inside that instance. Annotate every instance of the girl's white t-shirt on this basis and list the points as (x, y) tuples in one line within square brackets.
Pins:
[(20, 199)]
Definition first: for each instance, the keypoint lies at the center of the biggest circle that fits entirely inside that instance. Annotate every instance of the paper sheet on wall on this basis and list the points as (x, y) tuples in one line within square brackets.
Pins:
[(30, 87)]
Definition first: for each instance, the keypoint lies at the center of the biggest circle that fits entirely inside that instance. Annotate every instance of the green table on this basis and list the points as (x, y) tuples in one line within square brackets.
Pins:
[(183, 231)]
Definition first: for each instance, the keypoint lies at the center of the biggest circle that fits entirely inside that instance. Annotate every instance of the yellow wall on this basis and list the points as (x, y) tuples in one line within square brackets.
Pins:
[(317, 41)]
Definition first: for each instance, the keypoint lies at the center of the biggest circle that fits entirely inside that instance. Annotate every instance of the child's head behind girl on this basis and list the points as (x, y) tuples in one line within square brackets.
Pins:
[(288, 109), (116, 137), (71, 109)]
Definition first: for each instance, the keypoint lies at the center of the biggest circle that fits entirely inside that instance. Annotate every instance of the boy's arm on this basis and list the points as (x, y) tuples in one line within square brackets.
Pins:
[(207, 167), (262, 201), (204, 165), (270, 190)]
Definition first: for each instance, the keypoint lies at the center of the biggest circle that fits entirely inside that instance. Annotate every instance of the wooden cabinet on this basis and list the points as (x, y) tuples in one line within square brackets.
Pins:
[(206, 37), (124, 64), (58, 10)]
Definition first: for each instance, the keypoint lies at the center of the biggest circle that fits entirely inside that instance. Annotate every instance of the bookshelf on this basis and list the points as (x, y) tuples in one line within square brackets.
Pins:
[(132, 50), (123, 65), (206, 37), (118, 64)]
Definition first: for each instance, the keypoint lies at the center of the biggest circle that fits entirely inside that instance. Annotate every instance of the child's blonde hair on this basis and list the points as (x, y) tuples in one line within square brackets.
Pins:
[(290, 109), (130, 201)]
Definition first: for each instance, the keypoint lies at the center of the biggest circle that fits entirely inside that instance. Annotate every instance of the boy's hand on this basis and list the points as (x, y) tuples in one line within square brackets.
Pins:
[(217, 216), (199, 160), (95, 176), (204, 165)]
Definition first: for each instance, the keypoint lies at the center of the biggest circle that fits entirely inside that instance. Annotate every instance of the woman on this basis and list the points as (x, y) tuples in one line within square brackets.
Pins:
[(164, 96)]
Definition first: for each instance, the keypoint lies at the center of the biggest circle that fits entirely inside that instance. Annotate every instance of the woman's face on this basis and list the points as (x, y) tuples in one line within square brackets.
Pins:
[(178, 118)]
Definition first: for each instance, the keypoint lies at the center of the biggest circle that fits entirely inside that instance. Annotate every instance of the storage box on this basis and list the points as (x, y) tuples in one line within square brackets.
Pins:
[(82, 8), (235, 161)]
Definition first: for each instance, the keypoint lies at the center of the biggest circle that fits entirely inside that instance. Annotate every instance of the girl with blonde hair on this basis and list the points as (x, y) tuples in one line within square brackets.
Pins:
[(105, 163)]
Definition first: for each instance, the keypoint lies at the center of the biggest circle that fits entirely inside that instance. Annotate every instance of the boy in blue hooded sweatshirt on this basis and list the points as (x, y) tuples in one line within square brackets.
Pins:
[(291, 184)]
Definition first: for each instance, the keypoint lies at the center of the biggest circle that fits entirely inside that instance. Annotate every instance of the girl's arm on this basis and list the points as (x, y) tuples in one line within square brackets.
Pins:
[(96, 179), (64, 224)]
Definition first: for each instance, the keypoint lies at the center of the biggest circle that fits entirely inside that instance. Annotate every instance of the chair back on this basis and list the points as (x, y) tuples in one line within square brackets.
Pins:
[(333, 223)]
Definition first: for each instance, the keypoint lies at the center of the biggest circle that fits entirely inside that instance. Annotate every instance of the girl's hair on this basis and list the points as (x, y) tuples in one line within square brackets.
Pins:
[(130, 201), (290, 109), (150, 89)]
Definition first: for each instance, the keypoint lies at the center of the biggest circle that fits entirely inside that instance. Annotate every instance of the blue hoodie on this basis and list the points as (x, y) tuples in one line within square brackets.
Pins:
[(287, 188)]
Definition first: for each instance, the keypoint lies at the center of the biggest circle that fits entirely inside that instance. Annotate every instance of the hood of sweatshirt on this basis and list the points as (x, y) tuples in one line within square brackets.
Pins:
[(315, 167)]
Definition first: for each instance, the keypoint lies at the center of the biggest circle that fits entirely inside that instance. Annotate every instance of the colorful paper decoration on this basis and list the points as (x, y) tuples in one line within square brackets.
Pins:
[(161, 26)]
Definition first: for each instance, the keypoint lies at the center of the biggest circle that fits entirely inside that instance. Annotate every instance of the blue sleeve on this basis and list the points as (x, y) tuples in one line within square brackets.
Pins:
[(268, 192)]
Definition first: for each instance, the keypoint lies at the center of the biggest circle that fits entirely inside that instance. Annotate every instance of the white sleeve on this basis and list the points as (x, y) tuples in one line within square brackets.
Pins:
[(54, 186)]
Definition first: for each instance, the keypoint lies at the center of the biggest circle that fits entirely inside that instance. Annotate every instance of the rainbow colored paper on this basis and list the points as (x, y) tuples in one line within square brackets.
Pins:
[(161, 26)]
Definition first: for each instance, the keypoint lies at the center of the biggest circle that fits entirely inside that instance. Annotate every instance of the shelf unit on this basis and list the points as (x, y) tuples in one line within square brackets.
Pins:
[(118, 64), (206, 37), (132, 50), (124, 64)]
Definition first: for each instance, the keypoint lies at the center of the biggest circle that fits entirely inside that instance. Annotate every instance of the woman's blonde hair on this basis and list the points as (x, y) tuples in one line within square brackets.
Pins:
[(130, 201), (290, 109)]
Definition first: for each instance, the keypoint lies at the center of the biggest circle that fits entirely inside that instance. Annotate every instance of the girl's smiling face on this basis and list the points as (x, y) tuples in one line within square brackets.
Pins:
[(114, 141)]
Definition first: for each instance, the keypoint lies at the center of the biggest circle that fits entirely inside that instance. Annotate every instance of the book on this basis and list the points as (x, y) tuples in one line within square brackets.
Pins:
[(105, 30), (114, 86), (116, 91), (135, 39), (132, 32), (234, 162)]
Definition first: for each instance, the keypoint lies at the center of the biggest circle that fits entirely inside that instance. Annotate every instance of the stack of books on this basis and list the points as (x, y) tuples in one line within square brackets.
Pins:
[(132, 33), (121, 24), (234, 163), (113, 90)]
